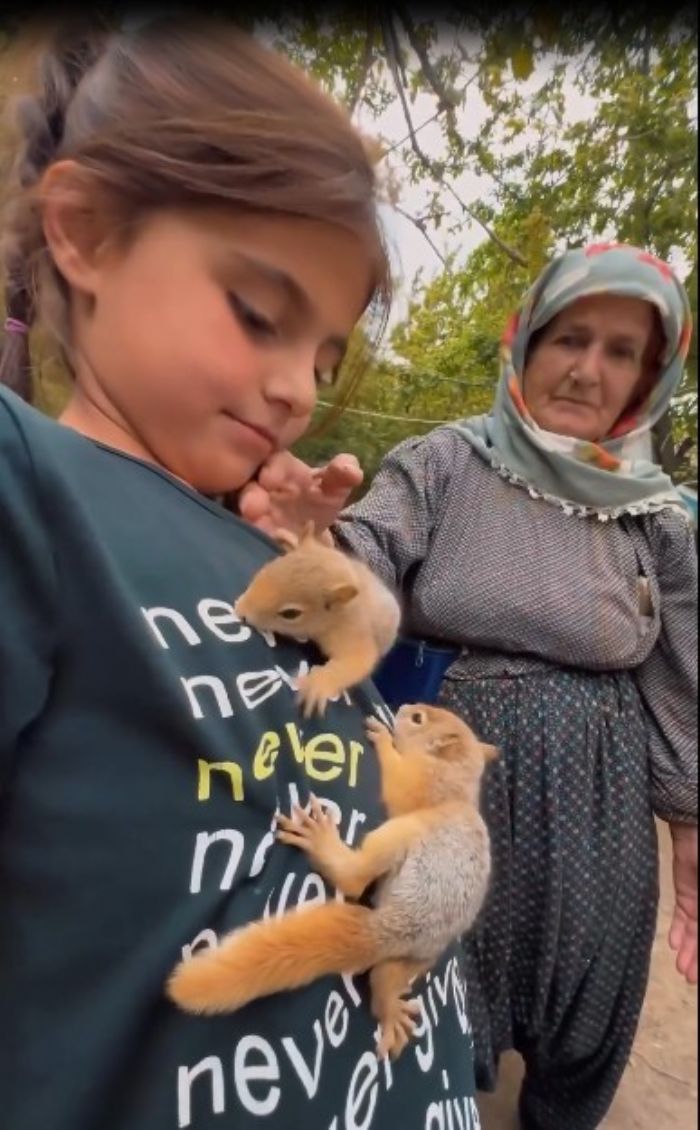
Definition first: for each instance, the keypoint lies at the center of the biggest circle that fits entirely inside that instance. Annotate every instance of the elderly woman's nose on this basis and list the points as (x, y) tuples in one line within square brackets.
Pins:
[(589, 364)]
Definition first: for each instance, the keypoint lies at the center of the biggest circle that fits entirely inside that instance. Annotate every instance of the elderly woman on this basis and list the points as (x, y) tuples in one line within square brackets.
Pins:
[(544, 542)]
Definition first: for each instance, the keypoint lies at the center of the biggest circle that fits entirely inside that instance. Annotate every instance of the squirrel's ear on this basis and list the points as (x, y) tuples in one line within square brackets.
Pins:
[(286, 540), (308, 533), (340, 594), (444, 740), (491, 752)]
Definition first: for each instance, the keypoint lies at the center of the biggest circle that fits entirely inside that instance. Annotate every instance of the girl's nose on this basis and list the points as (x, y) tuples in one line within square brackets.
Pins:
[(294, 383)]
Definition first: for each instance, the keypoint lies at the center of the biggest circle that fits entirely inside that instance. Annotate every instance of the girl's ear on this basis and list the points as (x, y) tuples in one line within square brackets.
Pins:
[(77, 222)]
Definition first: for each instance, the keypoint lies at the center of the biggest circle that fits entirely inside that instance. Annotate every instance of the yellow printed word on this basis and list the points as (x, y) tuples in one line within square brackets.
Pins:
[(324, 758)]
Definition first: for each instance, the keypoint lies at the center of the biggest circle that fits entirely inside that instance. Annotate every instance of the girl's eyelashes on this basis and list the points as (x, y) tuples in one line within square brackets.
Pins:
[(260, 327), (252, 320)]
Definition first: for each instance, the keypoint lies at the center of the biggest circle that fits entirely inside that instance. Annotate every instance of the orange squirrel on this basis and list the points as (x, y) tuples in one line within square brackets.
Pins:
[(316, 592), (432, 861)]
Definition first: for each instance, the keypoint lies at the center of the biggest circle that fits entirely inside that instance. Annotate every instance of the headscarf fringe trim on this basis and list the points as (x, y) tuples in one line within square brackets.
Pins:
[(603, 514)]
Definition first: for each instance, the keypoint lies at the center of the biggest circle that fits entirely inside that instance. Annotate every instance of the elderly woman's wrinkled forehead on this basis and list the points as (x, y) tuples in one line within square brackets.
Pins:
[(637, 321)]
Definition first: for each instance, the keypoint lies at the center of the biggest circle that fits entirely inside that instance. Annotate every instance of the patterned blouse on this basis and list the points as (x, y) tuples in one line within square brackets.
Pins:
[(491, 566)]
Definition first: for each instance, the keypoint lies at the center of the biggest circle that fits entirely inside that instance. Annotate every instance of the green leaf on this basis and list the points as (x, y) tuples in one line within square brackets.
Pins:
[(522, 62)]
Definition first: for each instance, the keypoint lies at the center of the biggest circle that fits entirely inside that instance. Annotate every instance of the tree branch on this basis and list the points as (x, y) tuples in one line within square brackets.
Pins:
[(505, 248), (463, 52), (420, 224), (365, 67), (392, 53), (447, 99), (391, 45), (416, 129)]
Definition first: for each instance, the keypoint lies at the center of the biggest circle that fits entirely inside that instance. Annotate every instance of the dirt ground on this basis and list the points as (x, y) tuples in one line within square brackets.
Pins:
[(659, 1090)]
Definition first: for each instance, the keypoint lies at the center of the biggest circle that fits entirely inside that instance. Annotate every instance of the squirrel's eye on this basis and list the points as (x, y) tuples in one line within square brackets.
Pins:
[(418, 717), (290, 613)]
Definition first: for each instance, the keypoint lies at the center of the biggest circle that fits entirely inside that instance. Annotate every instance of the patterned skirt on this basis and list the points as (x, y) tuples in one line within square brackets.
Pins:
[(558, 962)]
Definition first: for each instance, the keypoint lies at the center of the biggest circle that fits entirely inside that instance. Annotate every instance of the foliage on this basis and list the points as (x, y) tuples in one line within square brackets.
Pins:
[(626, 169), (497, 88)]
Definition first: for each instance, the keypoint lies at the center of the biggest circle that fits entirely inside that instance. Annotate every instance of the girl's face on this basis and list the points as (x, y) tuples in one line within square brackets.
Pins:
[(589, 364), (203, 344)]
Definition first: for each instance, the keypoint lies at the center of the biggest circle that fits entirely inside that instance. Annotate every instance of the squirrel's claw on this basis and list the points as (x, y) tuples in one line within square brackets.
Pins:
[(314, 691), (374, 725), (307, 830), (398, 1029), (377, 732)]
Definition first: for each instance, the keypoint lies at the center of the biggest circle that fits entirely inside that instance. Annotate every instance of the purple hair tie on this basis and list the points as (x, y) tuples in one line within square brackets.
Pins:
[(14, 326)]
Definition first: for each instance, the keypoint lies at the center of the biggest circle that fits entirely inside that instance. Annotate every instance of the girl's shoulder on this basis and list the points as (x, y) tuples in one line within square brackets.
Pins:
[(18, 416), (28, 436), (22, 430)]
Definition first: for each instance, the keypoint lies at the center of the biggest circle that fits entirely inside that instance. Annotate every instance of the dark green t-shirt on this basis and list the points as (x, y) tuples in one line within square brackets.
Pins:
[(146, 740)]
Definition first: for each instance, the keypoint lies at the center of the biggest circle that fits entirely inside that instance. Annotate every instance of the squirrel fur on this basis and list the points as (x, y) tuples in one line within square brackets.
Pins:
[(430, 861), (316, 592)]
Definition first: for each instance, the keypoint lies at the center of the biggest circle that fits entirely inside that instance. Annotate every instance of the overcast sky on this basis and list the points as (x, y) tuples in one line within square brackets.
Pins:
[(410, 250)]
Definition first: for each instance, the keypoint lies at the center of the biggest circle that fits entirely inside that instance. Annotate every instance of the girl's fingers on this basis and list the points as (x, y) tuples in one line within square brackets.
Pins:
[(253, 503), (342, 474), (284, 472)]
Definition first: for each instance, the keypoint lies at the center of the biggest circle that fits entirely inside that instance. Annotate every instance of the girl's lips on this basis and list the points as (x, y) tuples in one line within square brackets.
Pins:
[(261, 434)]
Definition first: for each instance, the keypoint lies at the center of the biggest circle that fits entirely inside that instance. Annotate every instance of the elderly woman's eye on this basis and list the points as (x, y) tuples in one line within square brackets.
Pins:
[(624, 352), (290, 613)]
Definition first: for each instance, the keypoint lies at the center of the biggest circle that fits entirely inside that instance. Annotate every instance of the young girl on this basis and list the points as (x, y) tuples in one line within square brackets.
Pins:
[(197, 222)]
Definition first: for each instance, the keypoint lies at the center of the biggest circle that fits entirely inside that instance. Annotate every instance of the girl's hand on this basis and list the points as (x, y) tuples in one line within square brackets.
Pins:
[(683, 935), (288, 493)]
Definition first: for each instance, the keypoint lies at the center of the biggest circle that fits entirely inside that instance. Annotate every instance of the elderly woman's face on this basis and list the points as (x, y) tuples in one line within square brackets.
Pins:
[(589, 364)]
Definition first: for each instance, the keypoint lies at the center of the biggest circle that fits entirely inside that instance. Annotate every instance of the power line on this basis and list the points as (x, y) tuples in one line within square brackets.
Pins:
[(462, 384), (381, 415)]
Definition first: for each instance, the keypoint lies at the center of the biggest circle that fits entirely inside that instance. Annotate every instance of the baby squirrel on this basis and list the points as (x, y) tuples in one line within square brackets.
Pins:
[(316, 592), (432, 862)]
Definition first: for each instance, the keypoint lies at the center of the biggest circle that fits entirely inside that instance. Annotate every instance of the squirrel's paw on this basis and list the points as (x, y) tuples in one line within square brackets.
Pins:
[(398, 1028), (314, 832), (376, 730), (313, 691)]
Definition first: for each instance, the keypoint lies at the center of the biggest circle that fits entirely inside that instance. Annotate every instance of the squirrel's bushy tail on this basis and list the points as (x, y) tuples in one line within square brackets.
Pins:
[(275, 954)]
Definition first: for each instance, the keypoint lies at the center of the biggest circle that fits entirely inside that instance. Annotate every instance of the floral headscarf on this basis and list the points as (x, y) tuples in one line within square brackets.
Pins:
[(617, 475)]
